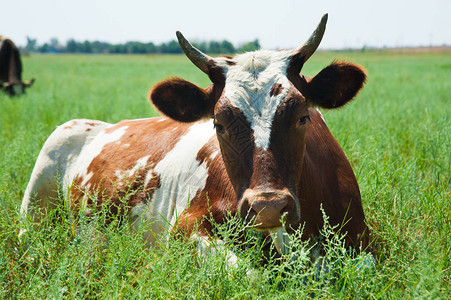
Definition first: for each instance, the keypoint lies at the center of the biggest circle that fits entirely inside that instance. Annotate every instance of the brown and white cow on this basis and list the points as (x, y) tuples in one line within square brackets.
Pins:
[(252, 144), (11, 68)]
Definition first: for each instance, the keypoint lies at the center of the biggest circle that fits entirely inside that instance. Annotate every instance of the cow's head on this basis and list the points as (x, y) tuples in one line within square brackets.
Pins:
[(16, 88), (259, 103)]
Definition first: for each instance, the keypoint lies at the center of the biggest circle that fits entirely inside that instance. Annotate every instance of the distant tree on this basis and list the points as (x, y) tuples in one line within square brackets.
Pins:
[(118, 49), (135, 48), (113, 49), (250, 46), (44, 48), (202, 46), (227, 47), (171, 47), (100, 47), (31, 45), (150, 48), (72, 46), (87, 48), (214, 47)]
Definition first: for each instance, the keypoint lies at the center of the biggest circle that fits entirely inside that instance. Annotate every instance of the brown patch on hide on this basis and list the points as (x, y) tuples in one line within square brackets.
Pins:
[(109, 171), (214, 201)]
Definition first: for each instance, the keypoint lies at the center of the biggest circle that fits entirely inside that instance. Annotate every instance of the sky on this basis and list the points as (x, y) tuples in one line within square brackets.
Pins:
[(276, 24)]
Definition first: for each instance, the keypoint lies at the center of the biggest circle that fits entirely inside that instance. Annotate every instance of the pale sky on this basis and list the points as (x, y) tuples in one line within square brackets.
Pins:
[(276, 23)]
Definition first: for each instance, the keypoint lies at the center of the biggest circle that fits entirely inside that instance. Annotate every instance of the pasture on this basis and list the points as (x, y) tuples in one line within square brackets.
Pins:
[(396, 134)]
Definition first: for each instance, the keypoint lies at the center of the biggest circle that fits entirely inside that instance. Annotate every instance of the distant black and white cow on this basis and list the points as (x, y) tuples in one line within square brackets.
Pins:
[(251, 144), (11, 68)]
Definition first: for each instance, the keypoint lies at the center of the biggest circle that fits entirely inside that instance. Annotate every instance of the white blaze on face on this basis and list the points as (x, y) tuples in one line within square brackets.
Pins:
[(248, 85)]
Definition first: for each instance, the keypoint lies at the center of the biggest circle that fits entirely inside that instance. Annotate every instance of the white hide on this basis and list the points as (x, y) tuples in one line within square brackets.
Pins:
[(90, 150), (181, 177), (248, 85)]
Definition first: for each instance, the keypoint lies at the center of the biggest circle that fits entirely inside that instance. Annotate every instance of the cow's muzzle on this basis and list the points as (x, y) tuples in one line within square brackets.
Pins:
[(268, 209)]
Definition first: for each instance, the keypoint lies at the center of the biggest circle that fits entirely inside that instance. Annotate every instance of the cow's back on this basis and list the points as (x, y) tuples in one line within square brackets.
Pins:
[(5, 57)]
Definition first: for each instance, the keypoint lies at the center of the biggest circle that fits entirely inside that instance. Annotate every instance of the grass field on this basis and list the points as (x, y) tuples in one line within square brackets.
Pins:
[(397, 135)]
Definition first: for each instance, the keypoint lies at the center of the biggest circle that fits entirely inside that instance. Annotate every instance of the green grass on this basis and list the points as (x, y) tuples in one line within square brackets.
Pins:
[(397, 135)]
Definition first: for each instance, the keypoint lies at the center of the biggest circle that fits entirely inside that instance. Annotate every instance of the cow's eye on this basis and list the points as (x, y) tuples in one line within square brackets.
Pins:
[(219, 128), (303, 120)]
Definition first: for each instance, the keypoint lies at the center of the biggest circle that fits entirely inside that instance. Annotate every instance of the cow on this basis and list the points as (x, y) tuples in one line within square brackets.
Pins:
[(11, 69), (252, 145)]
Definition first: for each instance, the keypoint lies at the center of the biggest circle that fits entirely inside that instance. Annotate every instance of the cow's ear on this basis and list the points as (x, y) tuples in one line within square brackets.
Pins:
[(335, 85), (181, 100)]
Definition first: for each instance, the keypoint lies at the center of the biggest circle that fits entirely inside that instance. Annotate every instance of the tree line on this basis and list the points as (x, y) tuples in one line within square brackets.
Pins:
[(97, 47)]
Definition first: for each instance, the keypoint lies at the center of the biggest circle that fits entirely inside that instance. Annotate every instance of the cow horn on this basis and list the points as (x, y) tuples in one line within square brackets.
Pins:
[(29, 82), (302, 53), (201, 60)]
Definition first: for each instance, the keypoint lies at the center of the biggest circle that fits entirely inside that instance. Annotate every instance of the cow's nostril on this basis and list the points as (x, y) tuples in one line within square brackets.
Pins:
[(287, 215), (284, 210), (249, 212)]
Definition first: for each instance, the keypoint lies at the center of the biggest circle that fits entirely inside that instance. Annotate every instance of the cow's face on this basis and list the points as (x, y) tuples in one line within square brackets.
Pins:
[(260, 120), (259, 104), (16, 88)]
